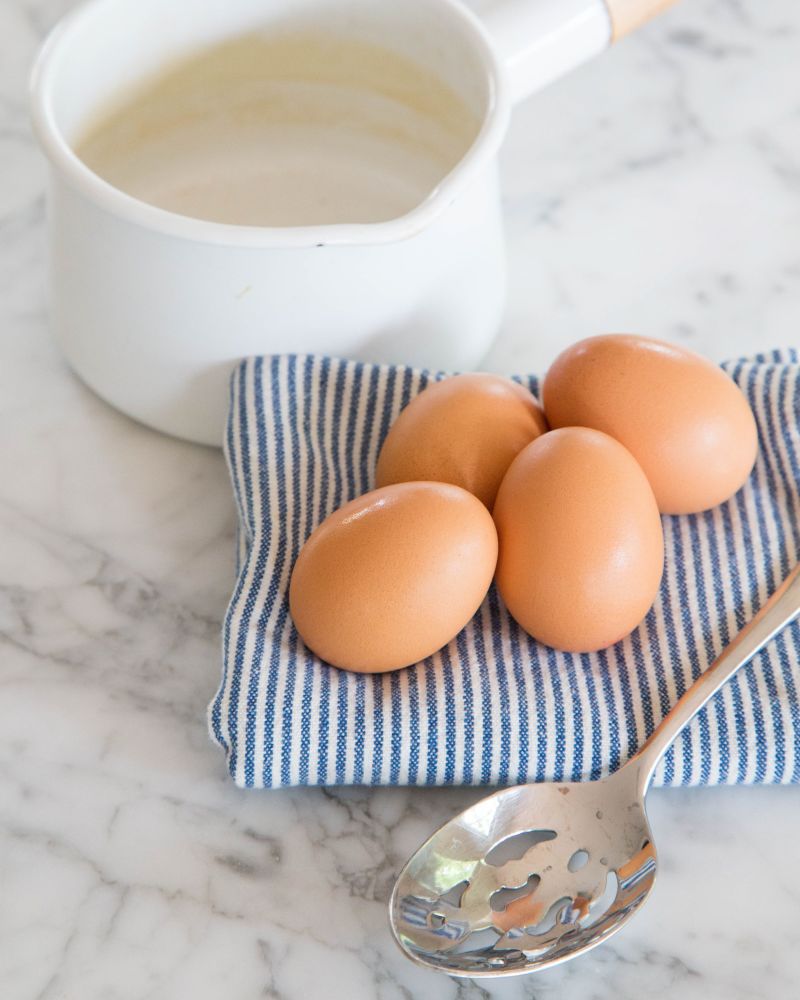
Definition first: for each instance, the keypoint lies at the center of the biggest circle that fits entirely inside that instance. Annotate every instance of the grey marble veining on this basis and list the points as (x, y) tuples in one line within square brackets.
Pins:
[(658, 190)]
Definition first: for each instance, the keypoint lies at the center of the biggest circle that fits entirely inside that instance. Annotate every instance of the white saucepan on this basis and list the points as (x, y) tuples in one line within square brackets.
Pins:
[(152, 308)]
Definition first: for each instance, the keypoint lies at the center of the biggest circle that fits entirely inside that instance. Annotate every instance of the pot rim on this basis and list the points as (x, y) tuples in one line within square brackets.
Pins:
[(124, 206)]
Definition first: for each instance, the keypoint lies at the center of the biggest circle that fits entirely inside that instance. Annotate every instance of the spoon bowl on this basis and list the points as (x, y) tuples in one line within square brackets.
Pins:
[(526, 878)]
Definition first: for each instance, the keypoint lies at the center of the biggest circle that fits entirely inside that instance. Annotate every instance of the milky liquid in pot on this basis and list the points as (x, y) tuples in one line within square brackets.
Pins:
[(302, 129)]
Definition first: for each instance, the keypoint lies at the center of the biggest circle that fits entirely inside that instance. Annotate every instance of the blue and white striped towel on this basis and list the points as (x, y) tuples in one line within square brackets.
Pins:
[(495, 706)]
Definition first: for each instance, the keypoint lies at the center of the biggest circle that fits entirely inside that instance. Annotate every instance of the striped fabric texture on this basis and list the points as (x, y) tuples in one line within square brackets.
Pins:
[(495, 706)]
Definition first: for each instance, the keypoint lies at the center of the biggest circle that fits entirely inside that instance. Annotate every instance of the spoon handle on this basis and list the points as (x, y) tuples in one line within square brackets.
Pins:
[(780, 610)]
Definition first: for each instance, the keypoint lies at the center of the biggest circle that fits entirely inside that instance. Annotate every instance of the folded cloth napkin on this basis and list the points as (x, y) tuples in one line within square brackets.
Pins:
[(495, 706)]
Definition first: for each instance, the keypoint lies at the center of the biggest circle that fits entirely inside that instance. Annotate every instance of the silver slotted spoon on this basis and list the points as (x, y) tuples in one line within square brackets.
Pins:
[(537, 874)]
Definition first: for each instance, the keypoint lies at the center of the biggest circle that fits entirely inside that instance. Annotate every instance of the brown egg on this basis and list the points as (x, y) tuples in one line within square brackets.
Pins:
[(465, 430), (393, 576), (581, 545), (687, 424)]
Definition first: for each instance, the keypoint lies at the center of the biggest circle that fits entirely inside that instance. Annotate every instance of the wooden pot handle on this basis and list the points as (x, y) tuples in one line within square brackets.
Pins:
[(627, 15)]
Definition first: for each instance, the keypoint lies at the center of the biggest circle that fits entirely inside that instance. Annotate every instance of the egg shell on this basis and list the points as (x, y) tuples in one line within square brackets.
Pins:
[(465, 430), (684, 420), (393, 576), (581, 543)]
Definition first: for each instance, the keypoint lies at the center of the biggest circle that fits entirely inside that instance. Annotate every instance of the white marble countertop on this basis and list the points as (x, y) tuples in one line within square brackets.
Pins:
[(656, 190)]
